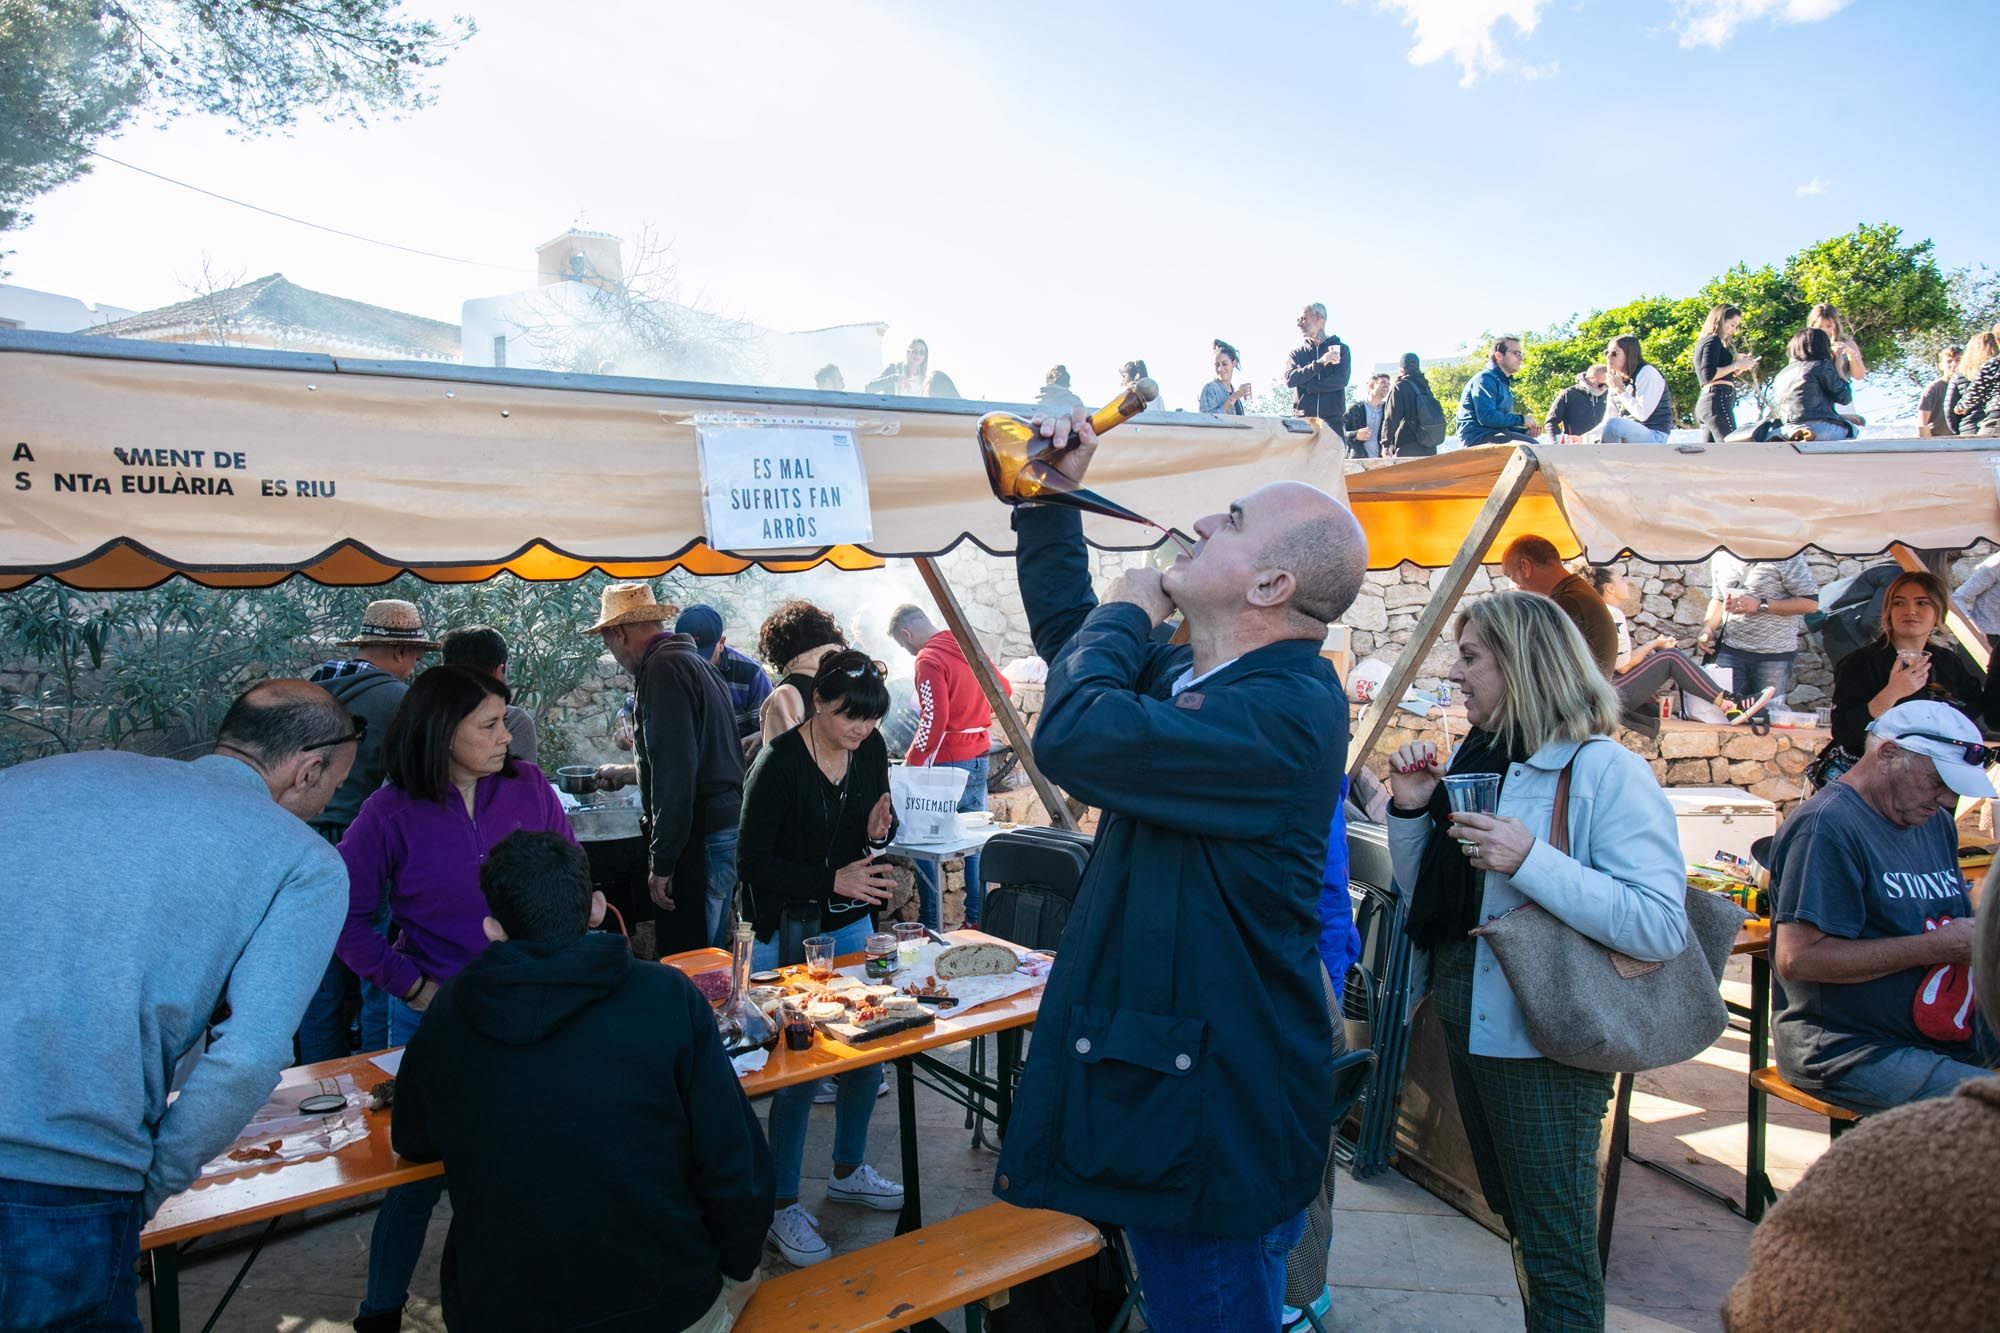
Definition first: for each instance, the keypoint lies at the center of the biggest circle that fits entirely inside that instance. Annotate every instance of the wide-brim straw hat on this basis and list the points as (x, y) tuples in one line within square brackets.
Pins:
[(630, 604), (392, 623)]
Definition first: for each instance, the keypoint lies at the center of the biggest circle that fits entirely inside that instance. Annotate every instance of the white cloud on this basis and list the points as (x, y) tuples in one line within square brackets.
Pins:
[(1462, 31), (1714, 22), (1817, 185)]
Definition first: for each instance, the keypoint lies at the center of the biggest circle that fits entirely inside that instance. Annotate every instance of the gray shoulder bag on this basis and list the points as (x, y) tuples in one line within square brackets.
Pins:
[(1595, 1008)]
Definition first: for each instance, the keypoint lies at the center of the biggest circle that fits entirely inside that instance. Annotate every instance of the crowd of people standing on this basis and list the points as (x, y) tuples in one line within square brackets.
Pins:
[(379, 825)]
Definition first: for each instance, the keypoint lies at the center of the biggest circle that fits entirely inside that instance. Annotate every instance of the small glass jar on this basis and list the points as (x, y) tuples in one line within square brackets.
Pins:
[(881, 955)]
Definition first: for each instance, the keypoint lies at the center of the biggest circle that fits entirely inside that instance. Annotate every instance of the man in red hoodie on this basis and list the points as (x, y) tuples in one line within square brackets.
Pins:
[(953, 720)]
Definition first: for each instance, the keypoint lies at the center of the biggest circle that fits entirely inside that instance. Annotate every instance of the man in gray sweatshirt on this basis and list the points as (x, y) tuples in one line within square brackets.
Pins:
[(138, 893)]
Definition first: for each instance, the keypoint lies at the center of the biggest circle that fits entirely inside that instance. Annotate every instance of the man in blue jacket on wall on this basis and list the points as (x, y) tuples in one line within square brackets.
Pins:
[(1180, 1080), (1487, 412)]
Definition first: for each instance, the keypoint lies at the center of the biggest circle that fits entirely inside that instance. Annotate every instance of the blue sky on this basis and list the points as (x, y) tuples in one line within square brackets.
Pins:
[(1034, 182)]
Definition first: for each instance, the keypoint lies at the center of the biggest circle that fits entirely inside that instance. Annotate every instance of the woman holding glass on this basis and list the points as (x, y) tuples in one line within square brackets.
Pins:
[(1223, 394), (816, 811), (452, 792), (1719, 370), (1538, 707), (1908, 661)]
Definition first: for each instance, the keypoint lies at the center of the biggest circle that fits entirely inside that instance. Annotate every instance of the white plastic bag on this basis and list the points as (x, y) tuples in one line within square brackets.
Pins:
[(926, 801)]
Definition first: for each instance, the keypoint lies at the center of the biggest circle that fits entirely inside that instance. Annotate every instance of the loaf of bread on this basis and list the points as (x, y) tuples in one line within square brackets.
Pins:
[(976, 960)]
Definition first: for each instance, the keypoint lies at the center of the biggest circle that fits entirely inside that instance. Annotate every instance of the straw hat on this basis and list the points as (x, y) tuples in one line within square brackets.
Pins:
[(394, 623), (630, 604)]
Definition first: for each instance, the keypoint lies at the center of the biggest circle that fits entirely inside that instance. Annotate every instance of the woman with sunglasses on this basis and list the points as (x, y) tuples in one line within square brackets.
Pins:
[(1639, 407), (453, 791), (1908, 661), (816, 811)]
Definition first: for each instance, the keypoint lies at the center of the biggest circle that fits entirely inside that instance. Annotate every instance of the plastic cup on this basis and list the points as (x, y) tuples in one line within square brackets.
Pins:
[(909, 940), (819, 957), (1473, 793)]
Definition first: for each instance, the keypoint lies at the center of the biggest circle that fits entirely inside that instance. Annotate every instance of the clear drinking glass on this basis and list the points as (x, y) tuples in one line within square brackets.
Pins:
[(819, 957), (1473, 793), (909, 939)]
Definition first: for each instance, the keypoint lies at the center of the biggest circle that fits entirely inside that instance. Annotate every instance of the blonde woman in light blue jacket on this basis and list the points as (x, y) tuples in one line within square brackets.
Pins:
[(1537, 705)]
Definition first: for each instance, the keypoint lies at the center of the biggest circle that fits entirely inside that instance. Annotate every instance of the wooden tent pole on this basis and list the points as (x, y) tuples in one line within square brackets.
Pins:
[(1970, 635), (1507, 490), (1011, 721)]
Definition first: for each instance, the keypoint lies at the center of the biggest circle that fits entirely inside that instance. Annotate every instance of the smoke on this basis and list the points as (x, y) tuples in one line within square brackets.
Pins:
[(860, 600)]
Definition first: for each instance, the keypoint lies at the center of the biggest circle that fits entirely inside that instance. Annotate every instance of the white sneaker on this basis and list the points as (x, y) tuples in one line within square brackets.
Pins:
[(796, 1234), (828, 1092), (865, 1187)]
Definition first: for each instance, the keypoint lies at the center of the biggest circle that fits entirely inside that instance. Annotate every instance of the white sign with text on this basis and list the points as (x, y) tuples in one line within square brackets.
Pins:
[(771, 484)]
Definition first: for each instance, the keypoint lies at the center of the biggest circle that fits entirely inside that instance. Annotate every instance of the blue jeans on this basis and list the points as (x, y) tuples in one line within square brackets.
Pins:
[(1893, 1076), (791, 1108), (930, 902), (1754, 671), (720, 849), (405, 1215), (323, 1029), (68, 1258), (1624, 430), (1198, 1284)]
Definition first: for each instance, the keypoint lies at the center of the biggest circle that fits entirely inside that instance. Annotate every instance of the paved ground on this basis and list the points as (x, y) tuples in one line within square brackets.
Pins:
[(1402, 1259)]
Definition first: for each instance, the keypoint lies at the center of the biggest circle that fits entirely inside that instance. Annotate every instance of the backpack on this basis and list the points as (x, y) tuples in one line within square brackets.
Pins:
[(1430, 416)]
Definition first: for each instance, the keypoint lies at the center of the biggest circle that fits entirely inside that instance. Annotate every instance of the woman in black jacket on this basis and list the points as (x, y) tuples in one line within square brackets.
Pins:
[(1717, 369), (1904, 664), (1810, 391), (816, 812)]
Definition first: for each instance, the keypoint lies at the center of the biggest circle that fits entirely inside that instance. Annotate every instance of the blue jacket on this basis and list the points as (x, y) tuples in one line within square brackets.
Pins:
[(1486, 409), (1182, 1060), (1623, 883), (1339, 941)]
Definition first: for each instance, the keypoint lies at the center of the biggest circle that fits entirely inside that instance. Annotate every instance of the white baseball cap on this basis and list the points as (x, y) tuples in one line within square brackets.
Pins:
[(1947, 738)]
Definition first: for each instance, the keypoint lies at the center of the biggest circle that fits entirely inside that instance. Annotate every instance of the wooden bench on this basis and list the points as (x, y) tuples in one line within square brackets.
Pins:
[(972, 1258), (1768, 1082)]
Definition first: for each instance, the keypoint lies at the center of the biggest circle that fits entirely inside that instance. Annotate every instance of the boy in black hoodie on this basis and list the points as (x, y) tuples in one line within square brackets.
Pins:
[(605, 1168)]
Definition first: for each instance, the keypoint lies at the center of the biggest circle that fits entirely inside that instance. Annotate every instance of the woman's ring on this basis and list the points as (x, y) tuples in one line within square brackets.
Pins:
[(1469, 848)]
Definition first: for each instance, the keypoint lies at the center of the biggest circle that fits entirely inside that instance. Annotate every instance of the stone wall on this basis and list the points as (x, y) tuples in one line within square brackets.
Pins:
[(1380, 622)]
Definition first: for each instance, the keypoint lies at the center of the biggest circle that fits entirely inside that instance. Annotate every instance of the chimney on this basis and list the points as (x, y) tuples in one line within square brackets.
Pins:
[(580, 256)]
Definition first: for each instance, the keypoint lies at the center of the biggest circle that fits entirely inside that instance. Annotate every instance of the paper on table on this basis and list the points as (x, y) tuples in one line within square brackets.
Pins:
[(388, 1062), (279, 1133), (750, 1061), (970, 992)]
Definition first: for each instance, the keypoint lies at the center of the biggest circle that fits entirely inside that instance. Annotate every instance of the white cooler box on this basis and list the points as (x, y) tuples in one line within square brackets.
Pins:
[(1720, 819)]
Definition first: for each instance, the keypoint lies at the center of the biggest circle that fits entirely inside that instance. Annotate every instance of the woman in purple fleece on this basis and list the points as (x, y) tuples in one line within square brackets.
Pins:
[(452, 793)]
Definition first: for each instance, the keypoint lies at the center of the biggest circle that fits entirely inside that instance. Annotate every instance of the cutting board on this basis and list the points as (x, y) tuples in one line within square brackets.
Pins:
[(856, 1035)]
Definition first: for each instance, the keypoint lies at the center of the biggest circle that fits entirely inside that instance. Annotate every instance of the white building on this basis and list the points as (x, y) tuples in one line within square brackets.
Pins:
[(581, 316), (26, 308)]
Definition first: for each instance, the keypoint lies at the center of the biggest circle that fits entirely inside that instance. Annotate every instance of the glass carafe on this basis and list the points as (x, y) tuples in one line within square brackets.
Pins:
[(742, 1024)]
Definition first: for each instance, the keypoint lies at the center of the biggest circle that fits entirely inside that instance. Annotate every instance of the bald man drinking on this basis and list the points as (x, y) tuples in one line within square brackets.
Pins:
[(1179, 1084)]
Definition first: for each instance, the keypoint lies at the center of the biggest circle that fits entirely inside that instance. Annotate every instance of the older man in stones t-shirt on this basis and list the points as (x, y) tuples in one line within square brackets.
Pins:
[(1873, 925)]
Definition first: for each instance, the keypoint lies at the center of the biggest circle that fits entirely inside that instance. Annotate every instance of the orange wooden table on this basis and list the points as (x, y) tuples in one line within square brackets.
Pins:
[(266, 1194), (907, 1051)]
